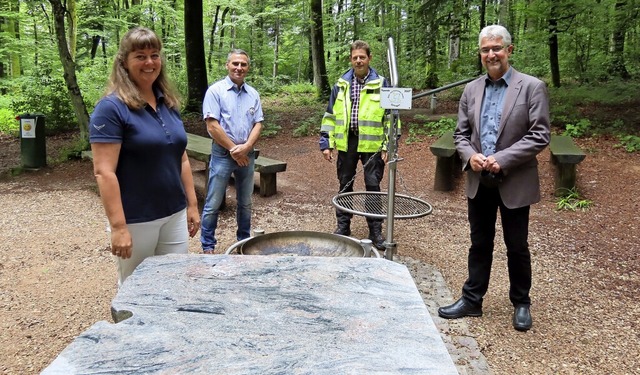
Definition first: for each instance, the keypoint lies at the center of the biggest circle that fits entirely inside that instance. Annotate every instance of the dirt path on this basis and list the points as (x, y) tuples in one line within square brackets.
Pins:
[(57, 279)]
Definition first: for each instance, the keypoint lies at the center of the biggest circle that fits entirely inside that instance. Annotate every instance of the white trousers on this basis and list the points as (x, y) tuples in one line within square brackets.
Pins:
[(168, 235)]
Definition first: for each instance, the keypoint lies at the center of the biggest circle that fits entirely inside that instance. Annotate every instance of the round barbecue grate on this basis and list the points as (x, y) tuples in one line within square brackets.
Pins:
[(374, 204)]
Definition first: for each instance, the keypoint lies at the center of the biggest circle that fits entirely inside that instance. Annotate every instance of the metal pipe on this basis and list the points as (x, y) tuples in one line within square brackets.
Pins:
[(393, 67), (392, 156), (446, 87)]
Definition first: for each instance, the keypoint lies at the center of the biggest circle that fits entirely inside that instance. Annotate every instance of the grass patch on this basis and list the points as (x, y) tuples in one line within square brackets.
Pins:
[(570, 200)]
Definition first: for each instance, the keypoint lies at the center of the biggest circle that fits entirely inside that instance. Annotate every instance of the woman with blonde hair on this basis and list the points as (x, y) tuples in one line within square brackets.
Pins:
[(138, 143)]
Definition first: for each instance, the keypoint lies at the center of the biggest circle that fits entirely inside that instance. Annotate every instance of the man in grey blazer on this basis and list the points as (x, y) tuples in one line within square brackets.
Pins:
[(503, 123)]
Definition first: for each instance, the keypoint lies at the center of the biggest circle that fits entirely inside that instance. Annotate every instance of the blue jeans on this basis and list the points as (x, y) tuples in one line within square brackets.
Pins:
[(221, 167)]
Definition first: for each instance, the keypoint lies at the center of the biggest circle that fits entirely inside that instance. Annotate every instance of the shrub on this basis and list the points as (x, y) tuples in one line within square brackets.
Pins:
[(46, 92), (8, 123), (630, 143), (310, 126), (580, 129), (429, 128)]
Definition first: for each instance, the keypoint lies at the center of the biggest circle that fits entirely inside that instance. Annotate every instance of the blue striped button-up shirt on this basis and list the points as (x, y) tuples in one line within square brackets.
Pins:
[(237, 109)]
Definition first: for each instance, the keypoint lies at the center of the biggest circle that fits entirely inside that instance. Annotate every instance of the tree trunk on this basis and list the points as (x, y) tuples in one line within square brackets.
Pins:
[(72, 19), (212, 35), (222, 28), (454, 34), (483, 23), (69, 67), (257, 65), (320, 78), (276, 44), (431, 79), (10, 26), (194, 46), (617, 67), (553, 50)]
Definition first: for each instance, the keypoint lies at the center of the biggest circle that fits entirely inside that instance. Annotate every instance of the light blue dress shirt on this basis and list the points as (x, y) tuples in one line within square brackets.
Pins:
[(237, 109), (494, 93)]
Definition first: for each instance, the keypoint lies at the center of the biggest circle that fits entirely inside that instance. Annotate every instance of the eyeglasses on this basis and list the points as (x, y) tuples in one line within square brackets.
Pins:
[(495, 49)]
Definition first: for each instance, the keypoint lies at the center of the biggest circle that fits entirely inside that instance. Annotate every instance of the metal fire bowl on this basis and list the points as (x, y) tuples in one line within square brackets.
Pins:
[(301, 243)]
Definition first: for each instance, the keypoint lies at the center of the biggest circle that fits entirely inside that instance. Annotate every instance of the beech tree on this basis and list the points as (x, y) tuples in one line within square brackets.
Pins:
[(194, 47), (320, 78), (69, 67)]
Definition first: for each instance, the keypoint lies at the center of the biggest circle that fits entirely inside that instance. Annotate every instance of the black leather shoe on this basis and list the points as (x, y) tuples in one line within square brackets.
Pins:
[(459, 309), (522, 318)]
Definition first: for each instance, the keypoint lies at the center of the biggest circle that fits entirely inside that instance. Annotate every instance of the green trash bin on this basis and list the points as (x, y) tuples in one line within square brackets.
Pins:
[(33, 148)]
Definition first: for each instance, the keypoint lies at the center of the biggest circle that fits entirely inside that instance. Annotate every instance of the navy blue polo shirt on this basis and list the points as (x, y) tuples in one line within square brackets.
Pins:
[(150, 162)]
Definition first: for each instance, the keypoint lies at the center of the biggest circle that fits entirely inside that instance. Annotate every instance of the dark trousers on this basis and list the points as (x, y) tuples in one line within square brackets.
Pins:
[(515, 225), (347, 165)]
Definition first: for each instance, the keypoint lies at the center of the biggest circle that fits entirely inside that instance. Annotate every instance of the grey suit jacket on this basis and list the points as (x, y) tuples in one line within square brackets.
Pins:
[(523, 132)]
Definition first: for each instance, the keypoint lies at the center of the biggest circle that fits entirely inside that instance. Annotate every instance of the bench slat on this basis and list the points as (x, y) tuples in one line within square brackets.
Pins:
[(199, 148), (266, 165), (444, 146), (565, 150)]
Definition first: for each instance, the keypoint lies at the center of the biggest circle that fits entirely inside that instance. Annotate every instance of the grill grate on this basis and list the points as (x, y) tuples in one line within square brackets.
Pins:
[(374, 204)]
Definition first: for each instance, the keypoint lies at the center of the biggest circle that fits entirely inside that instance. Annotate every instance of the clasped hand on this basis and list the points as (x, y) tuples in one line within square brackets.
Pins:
[(480, 163), (239, 154)]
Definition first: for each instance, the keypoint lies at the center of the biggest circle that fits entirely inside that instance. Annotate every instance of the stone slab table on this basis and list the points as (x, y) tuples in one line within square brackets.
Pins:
[(244, 314)]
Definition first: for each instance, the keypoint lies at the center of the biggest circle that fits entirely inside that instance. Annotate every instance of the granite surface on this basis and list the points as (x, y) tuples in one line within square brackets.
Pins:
[(244, 314)]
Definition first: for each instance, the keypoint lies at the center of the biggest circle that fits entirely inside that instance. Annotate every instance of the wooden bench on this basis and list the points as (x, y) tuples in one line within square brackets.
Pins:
[(565, 155), (199, 148), (447, 162)]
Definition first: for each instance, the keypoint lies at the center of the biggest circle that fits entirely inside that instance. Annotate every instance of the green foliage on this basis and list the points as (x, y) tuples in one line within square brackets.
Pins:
[(93, 81), (300, 95), (8, 123), (571, 200), (577, 130), (600, 103), (45, 92), (630, 143), (276, 35), (270, 129), (309, 126), (299, 88), (429, 128), (267, 85), (269, 126)]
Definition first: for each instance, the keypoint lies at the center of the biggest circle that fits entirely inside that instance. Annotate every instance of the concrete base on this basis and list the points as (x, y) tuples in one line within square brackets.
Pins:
[(243, 314)]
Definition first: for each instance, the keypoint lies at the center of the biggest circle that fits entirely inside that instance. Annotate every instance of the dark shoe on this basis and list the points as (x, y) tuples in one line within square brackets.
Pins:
[(459, 309), (377, 240), (522, 318), (343, 230)]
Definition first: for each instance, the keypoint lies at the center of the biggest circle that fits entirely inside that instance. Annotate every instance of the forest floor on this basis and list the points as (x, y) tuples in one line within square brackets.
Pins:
[(57, 277)]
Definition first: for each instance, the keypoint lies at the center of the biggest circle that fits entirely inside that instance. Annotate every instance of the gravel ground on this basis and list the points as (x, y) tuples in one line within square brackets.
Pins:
[(57, 277)]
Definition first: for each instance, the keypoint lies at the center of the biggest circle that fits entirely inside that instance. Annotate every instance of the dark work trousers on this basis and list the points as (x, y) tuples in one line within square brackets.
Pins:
[(347, 165), (483, 211)]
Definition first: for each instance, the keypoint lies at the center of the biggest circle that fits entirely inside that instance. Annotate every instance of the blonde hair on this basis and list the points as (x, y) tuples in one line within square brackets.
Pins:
[(119, 82)]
